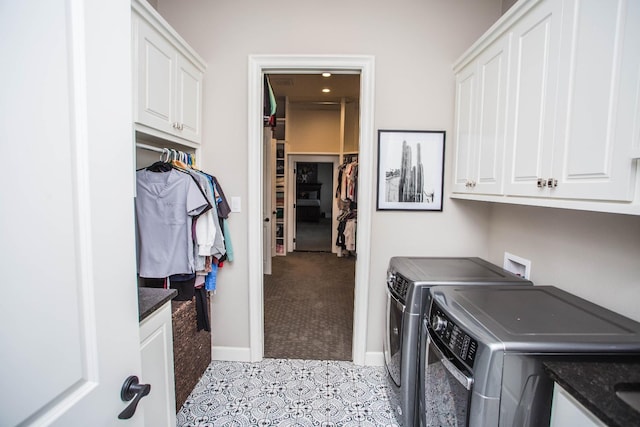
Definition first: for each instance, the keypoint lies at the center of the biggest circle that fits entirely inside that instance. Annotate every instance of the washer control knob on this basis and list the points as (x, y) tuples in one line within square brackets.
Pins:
[(439, 324)]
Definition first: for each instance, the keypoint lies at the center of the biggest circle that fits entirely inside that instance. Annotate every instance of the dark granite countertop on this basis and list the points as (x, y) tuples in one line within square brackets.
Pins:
[(592, 382), (151, 299)]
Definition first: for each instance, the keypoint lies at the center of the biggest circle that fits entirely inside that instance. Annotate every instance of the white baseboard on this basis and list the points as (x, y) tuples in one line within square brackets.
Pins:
[(231, 354), (374, 358)]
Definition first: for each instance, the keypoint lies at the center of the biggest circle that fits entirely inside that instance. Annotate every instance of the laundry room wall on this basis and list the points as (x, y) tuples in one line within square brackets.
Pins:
[(414, 42), (590, 254)]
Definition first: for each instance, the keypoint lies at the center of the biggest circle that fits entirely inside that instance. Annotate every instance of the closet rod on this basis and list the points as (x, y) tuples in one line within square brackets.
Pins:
[(149, 147)]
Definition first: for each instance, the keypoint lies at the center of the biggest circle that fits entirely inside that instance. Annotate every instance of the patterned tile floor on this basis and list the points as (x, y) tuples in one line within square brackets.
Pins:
[(288, 392)]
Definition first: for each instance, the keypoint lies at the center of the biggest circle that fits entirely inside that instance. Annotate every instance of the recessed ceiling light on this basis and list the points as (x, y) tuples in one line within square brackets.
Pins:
[(326, 74), (326, 90)]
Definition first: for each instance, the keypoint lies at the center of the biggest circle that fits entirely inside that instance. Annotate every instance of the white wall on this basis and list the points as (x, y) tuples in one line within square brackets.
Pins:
[(593, 255), (414, 42)]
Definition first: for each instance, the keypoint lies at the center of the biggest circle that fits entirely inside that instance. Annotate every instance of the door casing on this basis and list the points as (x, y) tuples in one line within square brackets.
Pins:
[(274, 64)]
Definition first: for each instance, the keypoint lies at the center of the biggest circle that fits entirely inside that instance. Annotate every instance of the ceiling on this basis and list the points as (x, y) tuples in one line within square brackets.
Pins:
[(308, 87)]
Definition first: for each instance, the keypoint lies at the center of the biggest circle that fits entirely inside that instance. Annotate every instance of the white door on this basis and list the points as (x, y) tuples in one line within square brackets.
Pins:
[(68, 312), (267, 203)]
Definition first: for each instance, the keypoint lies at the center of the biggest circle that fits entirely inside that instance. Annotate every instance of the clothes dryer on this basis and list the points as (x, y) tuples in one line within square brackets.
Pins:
[(408, 283)]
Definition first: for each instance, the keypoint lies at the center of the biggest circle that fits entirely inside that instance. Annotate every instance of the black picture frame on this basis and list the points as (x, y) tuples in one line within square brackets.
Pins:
[(410, 170)]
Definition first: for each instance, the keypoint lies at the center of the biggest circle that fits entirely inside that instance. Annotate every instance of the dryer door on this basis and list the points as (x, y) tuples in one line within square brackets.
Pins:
[(445, 395), (393, 337)]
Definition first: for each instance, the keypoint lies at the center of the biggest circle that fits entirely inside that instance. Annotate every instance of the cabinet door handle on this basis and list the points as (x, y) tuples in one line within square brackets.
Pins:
[(552, 183), (542, 183)]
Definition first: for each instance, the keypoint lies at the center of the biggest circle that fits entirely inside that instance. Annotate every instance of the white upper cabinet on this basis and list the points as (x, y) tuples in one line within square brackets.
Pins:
[(568, 131), (536, 42), (168, 77), (466, 81), (598, 100), (481, 88)]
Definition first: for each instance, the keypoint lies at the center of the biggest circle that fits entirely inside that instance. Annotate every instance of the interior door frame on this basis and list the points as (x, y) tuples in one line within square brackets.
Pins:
[(273, 64), (293, 159)]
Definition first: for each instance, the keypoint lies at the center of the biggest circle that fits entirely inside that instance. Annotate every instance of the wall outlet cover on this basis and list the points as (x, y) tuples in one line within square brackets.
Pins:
[(517, 265)]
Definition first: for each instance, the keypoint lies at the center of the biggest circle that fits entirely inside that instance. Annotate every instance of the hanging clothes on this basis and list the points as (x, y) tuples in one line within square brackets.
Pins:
[(204, 243), (166, 204), (347, 194)]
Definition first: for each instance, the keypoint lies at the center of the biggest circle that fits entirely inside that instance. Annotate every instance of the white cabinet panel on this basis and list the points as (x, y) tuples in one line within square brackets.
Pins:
[(189, 100), (156, 62), (156, 350), (536, 40), (568, 412), (597, 100), (493, 72), (465, 115), (480, 121), (168, 78)]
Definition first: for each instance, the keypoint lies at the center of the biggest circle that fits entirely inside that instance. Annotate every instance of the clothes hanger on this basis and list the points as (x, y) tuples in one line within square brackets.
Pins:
[(161, 165), (177, 160)]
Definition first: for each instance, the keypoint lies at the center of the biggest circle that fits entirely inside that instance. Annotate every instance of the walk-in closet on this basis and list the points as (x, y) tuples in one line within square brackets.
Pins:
[(311, 136)]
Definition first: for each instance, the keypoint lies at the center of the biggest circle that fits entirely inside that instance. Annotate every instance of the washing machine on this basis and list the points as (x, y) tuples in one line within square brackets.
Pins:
[(408, 283), (483, 351)]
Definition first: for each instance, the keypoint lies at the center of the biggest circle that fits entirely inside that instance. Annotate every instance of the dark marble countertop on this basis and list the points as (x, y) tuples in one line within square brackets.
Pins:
[(151, 299), (592, 382)]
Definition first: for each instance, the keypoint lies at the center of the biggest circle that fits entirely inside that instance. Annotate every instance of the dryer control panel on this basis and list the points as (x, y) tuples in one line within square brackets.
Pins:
[(461, 344)]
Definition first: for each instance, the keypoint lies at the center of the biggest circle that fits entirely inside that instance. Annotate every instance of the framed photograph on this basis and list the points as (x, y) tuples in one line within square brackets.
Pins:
[(410, 170)]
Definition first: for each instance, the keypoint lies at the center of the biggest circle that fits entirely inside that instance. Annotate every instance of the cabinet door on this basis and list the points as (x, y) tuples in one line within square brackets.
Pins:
[(491, 121), (466, 107), (568, 412), (156, 350), (155, 85), (598, 100), (535, 46), (189, 100)]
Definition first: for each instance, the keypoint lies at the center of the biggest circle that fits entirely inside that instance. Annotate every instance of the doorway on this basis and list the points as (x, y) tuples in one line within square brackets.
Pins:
[(308, 297), (259, 64), (314, 225)]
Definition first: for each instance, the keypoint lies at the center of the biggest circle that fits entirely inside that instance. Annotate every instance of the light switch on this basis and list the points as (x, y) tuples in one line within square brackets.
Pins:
[(236, 204)]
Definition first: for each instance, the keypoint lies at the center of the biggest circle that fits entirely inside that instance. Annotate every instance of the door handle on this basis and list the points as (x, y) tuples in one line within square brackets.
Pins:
[(131, 389)]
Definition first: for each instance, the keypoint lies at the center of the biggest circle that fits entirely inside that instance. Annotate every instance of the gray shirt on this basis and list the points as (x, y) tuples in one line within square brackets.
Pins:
[(166, 203)]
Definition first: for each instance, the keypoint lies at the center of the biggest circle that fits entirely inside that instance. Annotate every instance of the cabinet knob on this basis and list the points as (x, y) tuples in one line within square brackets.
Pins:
[(542, 182), (552, 183)]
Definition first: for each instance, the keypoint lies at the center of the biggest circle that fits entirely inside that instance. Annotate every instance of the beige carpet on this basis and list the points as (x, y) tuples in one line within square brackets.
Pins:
[(308, 307)]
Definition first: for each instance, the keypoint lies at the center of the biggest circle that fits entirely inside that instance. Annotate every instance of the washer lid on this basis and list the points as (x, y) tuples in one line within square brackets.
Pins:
[(451, 270), (538, 319)]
